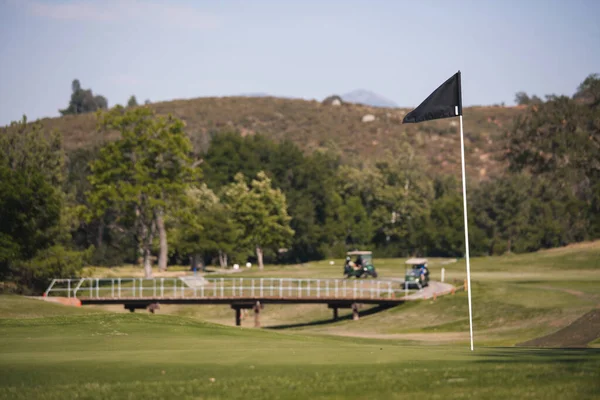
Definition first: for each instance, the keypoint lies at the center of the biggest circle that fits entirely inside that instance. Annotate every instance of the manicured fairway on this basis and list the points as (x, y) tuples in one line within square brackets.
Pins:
[(106, 355), (418, 350)]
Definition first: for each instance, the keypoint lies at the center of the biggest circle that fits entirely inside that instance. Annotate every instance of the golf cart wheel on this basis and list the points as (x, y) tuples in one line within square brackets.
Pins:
[(374, 274)]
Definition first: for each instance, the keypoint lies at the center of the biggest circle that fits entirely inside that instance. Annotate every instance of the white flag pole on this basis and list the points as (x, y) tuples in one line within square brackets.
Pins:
[(464, 185)]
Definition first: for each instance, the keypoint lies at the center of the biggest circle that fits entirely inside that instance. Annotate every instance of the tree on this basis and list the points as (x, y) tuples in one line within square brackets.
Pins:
[(403, 198), (30, 196), (521, 98), (83, 101), (561, 138), (445, 227), (230, 153), (139, 174), (132, 102), (261, 211), (356, 223), (558, 142), (589, 90), (33, 209), (204, 227), (306, 180), (501, 209), (308, 184), (536, 100)]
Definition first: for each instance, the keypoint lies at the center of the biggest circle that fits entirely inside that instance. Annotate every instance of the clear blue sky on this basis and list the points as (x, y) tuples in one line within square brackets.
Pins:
[(403, 50)]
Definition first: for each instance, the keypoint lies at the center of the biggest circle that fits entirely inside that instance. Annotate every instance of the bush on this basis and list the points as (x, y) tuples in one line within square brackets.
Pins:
[(54, 262)]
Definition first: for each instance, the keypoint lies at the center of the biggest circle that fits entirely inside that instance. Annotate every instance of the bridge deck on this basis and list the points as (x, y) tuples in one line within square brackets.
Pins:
[(202, 289), (239, 293), (341, 301)]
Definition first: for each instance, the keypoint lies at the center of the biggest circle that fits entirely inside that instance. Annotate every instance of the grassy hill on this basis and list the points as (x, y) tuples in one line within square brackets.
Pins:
[(141, 356), (315, 126), (516, 298), (420, 349)]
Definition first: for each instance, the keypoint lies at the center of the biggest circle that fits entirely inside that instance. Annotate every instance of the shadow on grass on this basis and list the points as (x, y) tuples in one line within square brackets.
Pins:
[(348, 317), (529, 355)]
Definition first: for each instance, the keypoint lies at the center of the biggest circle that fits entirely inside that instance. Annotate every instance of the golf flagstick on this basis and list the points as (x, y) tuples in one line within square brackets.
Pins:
[(446, 102), (464, 186)]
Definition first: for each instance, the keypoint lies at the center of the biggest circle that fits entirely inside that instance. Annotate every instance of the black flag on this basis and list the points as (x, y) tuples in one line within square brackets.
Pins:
[(444, 102)]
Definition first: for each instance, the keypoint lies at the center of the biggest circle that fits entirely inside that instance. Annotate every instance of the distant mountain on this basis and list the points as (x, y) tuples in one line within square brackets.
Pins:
[(368, 98)]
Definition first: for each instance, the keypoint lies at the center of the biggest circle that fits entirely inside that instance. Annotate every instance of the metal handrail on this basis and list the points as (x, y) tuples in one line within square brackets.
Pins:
[(201, 287)]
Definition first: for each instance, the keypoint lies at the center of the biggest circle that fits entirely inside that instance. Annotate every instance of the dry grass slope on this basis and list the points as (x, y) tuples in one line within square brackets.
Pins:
[(315, 126)]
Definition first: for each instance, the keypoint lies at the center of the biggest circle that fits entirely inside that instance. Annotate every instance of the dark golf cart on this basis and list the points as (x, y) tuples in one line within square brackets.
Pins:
[(417, 273), (352, 269)]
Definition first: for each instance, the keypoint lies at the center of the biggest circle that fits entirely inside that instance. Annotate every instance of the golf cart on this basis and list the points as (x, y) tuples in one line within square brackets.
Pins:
[(353, 269), (417, 273)]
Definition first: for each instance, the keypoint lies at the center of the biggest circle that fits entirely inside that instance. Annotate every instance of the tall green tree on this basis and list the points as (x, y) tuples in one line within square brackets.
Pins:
[(132, 102), (204, 227), (138, 175), (308, 182), (230, 153), (502, 208), (559, 143), (403, 199), (83, 101), (309, 185), (589, 90), (36, 218), (445, 227), (522, 98), (261, 211), (357, 226)]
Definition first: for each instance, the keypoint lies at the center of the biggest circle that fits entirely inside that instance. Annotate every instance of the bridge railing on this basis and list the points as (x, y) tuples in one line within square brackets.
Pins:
[(201, 287)]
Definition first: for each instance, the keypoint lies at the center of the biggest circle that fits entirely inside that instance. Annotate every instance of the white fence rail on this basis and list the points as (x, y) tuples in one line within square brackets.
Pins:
[(200, 287)]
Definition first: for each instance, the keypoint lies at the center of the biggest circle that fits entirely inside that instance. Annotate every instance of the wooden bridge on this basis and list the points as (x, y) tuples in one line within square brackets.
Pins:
[(239, 293)]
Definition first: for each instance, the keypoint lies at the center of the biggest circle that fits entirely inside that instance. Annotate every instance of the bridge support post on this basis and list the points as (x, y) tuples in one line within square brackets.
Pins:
[(257, 307), (335, 314), (238, 307), (355, 315), (238, 316)]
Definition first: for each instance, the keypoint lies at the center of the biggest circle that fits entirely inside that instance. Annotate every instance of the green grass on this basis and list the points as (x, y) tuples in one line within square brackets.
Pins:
[(50, 351), (515, 298), (16, 307), (157, 356), (575, 262)]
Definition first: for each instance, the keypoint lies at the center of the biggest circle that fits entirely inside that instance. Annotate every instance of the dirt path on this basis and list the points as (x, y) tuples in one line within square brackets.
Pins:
[(437, 288), (578, 334), (434, 287)]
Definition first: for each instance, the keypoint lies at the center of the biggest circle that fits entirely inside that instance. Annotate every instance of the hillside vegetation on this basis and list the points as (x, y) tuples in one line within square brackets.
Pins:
[(314, 126), (230, 180)]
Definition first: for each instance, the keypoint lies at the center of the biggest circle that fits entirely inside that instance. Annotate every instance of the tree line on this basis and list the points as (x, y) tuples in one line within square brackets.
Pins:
[(148, 198), (84, 101)]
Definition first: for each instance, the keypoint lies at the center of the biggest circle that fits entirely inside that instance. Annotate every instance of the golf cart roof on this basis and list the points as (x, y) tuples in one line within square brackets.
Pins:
[(358, 252), (416, 261)]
